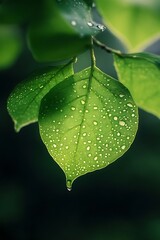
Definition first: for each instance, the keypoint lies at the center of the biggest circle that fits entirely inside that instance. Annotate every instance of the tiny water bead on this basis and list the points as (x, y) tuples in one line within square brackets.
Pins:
[(73, 23), (90, 24), (94, 129)]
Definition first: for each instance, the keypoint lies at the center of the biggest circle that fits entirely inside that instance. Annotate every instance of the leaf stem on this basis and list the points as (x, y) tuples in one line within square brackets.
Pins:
[(93, 59), (104, 47)]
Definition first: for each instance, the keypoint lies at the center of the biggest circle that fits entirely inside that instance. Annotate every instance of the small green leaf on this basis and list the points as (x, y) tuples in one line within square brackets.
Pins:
[(135, 22), (64, 33), (140, 73), (87, 122), (10, 45), (24, 101)]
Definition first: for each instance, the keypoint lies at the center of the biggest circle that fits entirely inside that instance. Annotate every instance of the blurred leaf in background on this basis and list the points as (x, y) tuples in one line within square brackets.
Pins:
[(135, 22), (10, 45), (140, 73)]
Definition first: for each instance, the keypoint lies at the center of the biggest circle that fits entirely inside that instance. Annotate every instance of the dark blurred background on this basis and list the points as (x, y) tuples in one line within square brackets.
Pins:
[(120, 202)]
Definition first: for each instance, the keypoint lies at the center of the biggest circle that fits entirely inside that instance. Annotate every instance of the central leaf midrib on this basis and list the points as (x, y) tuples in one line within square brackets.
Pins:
[(84, 111)]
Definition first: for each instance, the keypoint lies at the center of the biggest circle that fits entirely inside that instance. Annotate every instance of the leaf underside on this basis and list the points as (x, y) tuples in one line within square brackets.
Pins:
[(140, 73), (24, 102), (87, 122)]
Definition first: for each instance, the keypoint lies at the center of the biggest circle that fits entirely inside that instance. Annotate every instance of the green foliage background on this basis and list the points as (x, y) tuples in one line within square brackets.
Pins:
[(120, 202)]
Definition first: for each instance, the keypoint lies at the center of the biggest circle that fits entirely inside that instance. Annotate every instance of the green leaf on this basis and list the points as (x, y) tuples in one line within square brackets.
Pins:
[(136, 23), (64, 33), (87, 122), (10, 45), (140, 73), (24, 102)]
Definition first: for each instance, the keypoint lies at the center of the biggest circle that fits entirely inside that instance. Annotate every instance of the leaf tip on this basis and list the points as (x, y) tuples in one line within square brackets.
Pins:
[(17, 127)]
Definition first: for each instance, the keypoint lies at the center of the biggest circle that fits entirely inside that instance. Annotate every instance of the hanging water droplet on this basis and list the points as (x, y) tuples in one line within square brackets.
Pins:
[(69, 185)]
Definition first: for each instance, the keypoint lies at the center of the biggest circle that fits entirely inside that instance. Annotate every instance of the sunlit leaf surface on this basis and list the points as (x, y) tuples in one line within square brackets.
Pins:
[(87, 122), (140, 73), (24, 101), (135, 22)]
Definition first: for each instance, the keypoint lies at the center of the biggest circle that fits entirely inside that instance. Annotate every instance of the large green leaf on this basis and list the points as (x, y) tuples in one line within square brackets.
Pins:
[(10, 45), (140, 73), (87, 122), (64, 33), (135, 22), (24, 101)]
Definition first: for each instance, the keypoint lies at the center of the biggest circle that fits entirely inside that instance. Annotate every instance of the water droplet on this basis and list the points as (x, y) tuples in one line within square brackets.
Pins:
[(95, 123), (73, 108), (54, 145), (121, 95), (129, 105), (115, 118), (88, 148), (69, 185), (83, 102), (122, 123), (73, 23), (101, 27), (123, 147), (89, 24)]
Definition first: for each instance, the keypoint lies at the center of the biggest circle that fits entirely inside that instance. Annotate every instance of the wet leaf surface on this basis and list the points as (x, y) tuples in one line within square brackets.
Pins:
[(24, 102), (87, 122), (140, 73)]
